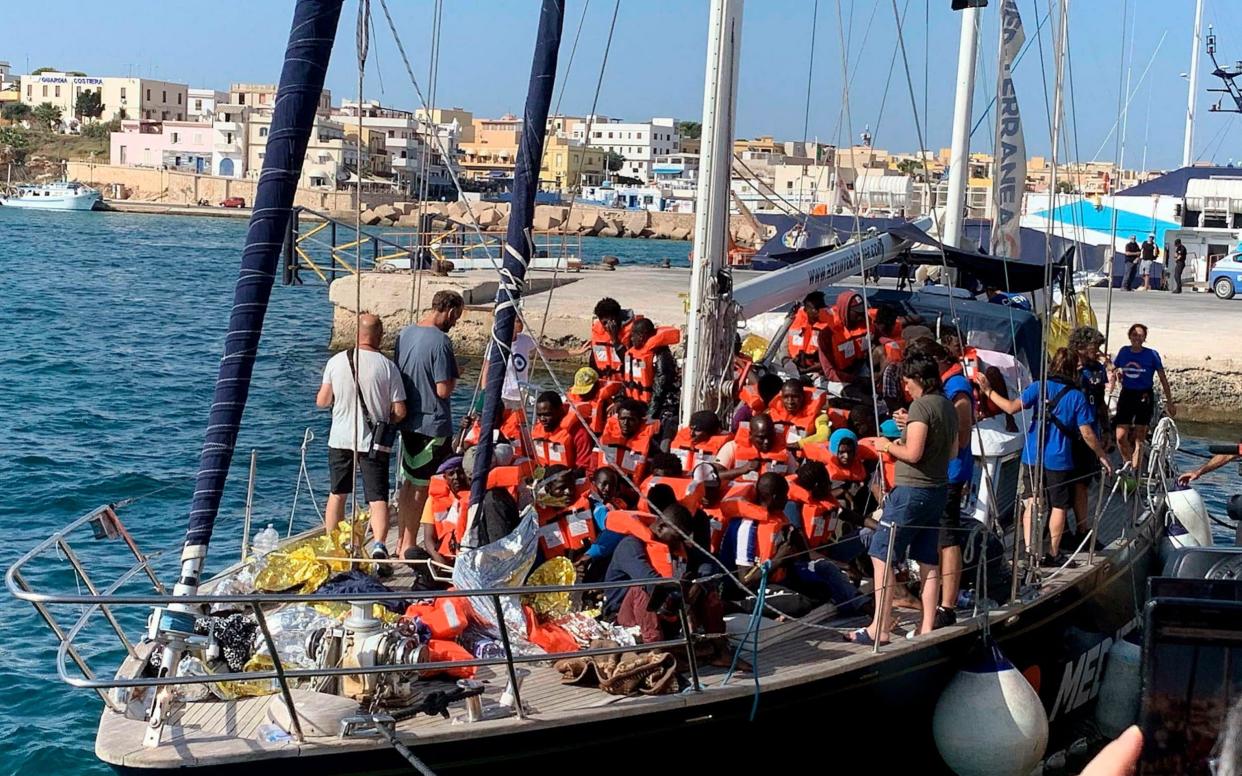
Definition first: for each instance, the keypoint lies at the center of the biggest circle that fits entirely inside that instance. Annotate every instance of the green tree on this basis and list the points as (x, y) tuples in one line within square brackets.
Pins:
[(1065, 187), (690, 129), (100, 130), (88, 104), (910, 166), (614, 161), (47, 115), (15, 142), (78, 73), (15, 111), (39, 70)]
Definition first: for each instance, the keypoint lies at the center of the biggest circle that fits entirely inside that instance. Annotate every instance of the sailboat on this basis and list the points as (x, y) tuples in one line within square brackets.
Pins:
[(809, 685)]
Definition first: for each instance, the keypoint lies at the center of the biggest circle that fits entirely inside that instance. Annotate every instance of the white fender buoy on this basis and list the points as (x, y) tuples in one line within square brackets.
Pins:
[(1118, 705), (1188, 509), (989, 721)]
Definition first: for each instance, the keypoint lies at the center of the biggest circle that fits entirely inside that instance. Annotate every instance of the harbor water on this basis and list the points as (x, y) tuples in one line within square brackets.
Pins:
[(116, 325)]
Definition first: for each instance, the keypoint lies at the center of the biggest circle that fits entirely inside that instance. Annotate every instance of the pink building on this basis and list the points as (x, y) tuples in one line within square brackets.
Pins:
[(173, 145)]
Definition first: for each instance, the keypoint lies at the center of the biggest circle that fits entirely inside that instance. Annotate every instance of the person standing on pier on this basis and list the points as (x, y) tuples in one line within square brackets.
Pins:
[(1132, 258), (1148, 254), (1179, 266), (366, 394), (429, 370)]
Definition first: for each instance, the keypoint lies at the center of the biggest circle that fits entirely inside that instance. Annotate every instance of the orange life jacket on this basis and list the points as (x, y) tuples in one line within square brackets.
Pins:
[(873, 313), (792, 427), (749, 395), (802, 342), (819, 516), (693, 453), (511, 423), (592, 410), (446, 617), (449, 510), (688, 492), (869, 447), (855, 472), (608, 362), (553, 447), (638, 524), (627, 455), (718, 516), (776, 461), (849, 345), (838, 417), (754, 520), (566, 529), (639, 370)]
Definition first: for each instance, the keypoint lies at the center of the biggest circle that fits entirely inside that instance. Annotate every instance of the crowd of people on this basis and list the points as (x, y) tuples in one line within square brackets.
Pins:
[(818, 487)]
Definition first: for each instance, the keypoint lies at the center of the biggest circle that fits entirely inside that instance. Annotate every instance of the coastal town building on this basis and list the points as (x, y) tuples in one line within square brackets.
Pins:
[(264, 96), (679, 170), (492, 155), (638, 143), (202, 103), (329, 158), (185, 146), (229, 140), (415, 155), (7, 82), (569, 165), (122, 98)]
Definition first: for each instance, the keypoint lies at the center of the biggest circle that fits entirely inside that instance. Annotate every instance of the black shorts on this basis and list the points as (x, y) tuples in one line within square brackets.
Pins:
[(951, 518), (1086, 463), (421, 455), (374, 473), (1058, 486), (1135, 407)]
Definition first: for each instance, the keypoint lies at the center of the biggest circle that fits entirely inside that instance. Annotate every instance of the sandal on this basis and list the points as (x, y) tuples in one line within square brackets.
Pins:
[(862, 638)]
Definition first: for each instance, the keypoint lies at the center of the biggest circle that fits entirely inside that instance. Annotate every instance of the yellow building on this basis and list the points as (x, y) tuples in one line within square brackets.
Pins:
[(568, 164)]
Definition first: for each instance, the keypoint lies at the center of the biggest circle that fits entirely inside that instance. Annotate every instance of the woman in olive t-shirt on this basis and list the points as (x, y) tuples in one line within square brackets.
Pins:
[(913, 508)]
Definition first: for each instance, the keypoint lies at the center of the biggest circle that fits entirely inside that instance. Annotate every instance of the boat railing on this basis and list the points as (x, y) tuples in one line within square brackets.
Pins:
[(104, 523)]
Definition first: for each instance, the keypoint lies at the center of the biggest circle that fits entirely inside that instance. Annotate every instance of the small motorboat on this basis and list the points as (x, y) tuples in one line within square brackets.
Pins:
[(61, 195)]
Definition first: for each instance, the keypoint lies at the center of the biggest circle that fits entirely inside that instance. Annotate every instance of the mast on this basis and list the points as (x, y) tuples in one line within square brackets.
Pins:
[(301, 81), (708, 341), (518, 237), (959, 155), (1188, 146)]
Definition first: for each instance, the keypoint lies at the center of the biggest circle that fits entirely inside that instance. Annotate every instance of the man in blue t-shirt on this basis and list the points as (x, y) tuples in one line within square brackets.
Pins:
[(1138, 366), (1065, 415)]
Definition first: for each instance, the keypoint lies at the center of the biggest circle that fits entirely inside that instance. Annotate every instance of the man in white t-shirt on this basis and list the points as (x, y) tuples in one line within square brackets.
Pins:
[(353, 426), (523, 354)]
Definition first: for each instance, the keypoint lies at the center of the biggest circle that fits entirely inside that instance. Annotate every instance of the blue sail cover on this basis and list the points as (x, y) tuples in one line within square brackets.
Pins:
[(301, 82), (517, 238)]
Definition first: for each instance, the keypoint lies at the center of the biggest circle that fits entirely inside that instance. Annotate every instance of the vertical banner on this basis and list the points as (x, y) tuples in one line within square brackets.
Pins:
[(1009, 177)]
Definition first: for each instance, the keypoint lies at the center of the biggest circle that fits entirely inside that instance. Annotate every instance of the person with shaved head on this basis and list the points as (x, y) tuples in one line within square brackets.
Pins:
[(364, 389)]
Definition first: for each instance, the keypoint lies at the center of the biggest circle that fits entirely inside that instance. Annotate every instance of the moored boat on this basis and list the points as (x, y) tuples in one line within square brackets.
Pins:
[(60, 195)]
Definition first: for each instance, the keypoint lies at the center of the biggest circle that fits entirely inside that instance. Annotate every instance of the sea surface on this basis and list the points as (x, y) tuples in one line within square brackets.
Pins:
[(116, 324)]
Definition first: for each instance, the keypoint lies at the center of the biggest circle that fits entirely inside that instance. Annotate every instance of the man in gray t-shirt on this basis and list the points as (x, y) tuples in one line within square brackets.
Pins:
[(429, 372)]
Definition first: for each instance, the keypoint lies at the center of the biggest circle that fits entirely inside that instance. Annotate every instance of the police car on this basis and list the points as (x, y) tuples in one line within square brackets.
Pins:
[(1225, 277)]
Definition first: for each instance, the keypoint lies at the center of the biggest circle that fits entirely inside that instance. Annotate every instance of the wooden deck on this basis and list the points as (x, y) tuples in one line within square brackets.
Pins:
[(222, 732)]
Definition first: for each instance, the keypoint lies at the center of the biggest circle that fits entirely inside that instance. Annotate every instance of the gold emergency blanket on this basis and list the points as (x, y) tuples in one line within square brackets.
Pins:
[(630, 673), (558, 571), (307, 564), (1064, 319)]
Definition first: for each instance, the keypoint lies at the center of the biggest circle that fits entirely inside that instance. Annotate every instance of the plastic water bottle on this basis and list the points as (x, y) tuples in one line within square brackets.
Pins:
[(269, 733), (265, 541)]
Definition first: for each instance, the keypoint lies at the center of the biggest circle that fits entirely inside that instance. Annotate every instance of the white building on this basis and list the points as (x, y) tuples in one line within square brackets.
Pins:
[(6, 77), (229, 147), (406, 141), (202, 104), (676, 170), (639, 143)]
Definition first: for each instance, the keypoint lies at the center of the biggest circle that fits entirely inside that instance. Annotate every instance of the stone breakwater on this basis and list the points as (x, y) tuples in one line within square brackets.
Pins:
[(582, 220)]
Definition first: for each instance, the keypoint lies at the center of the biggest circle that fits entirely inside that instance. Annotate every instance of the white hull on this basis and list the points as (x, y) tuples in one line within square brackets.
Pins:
[(83, 200)]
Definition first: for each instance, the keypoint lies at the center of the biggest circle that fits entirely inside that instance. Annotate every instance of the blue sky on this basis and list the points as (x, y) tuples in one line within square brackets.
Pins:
[(656, 62)]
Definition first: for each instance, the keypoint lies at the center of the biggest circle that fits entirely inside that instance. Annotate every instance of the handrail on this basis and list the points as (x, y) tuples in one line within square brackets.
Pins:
[(100, 600)]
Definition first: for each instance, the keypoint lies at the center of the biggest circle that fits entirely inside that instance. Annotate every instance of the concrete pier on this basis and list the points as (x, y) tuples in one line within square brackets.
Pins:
[(1195, 333)]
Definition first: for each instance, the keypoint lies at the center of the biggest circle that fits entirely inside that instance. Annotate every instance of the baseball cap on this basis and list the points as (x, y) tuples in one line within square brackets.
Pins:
[(584, 380)]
